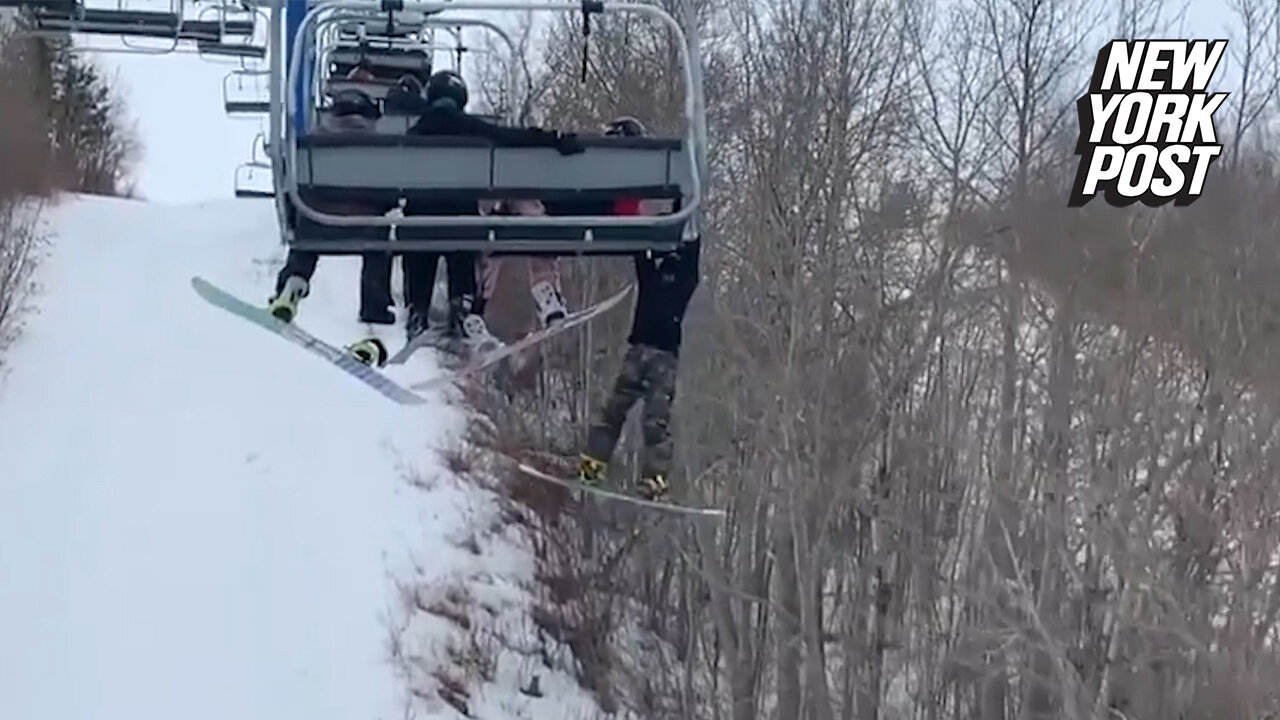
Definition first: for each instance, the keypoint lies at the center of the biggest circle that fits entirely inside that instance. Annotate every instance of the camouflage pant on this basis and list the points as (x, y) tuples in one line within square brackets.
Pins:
[(649, 374)]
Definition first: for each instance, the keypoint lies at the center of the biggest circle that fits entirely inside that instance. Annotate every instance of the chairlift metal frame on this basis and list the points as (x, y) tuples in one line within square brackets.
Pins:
[(285, 73), (455, 26)]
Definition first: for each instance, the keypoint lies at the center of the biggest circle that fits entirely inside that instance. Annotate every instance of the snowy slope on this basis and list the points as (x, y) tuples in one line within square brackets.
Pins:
[(201, 521)]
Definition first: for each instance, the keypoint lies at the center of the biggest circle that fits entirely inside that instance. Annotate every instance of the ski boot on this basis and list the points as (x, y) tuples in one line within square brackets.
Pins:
[(551, 306), (654, 488), (590, 471), (476, 335), (369, 351), (284, 305)]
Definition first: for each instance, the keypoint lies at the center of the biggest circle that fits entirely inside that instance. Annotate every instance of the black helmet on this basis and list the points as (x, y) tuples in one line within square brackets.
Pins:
[(626, 126), (447, 85), (355, 102), (410, 84)]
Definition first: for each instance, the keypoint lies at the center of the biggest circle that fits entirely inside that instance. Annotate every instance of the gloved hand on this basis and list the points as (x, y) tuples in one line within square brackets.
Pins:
[(569, 144)]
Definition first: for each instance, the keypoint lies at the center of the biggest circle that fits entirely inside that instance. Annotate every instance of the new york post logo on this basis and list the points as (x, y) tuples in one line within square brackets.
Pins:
[(1146, 124)]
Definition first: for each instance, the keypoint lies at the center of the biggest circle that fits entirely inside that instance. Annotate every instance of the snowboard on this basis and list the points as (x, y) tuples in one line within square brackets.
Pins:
[(614, 495), (429, 337), (476, 364), (343, 359)]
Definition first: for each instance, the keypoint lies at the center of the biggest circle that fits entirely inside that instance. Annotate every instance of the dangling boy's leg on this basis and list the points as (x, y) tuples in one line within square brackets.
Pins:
[(628, 387), (660, 369)]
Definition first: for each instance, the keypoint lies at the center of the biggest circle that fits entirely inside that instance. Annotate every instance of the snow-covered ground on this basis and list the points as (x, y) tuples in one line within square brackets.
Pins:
[(199, 520)]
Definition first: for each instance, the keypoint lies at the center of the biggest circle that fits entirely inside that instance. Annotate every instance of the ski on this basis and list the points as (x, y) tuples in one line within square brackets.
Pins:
[(613, 495), (346, 361), (481, 362)]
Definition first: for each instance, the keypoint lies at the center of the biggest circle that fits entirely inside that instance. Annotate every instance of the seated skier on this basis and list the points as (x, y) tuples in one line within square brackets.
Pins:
[(446, 97), (352, 111), (666, 283)]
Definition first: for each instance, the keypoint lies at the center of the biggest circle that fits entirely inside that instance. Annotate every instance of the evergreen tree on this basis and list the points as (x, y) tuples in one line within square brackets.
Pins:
[(89, 147)]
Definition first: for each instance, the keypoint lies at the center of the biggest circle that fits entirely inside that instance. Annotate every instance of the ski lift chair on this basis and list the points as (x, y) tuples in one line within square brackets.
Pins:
[(395, 26), (249, 176), (385, 63), (239, 102), (384, 170), (61, 17), (213, 24), (230, 22), (34, 4), (248, 182), (401, 109)]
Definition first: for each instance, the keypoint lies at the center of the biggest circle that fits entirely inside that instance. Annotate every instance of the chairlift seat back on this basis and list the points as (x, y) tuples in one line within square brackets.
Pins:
[(213, 30), (376, 89), (435, 172), (383, 63)]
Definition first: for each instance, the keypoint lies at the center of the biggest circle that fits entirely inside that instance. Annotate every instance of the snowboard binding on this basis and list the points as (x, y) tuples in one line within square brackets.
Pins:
[(369, 351)]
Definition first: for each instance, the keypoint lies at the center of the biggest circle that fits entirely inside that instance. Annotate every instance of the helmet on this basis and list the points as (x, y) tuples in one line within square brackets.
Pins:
[(410, 84), (447, 85), (625, 126), (355, 102)]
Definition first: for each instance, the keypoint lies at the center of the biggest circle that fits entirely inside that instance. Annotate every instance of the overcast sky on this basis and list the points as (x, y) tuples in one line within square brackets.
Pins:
[(192, 148)]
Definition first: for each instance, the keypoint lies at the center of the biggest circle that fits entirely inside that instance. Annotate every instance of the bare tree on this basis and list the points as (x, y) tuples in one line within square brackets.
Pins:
[(984, 456), (1255, 50)]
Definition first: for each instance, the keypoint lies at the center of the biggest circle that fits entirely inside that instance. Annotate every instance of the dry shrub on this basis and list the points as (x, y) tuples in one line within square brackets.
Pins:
[(20, 242), (580, 549), (452, 690), (26, 177)]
